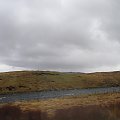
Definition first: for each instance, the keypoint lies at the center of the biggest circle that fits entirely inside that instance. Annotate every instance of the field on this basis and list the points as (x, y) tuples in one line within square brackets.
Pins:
[(26, 81), (87, 107)]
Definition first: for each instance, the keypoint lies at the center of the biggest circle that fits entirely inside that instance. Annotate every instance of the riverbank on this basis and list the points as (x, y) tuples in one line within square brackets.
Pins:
[(30, 81), (50, 105), (62, 107)]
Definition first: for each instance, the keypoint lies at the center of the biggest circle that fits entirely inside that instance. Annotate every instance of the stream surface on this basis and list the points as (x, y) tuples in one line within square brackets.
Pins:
[(55, 94)]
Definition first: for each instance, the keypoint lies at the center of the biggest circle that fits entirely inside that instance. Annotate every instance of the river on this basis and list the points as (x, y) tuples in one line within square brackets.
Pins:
[(55, 94)]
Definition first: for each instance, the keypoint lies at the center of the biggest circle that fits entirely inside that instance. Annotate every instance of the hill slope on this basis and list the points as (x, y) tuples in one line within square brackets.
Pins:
[(26, 81)]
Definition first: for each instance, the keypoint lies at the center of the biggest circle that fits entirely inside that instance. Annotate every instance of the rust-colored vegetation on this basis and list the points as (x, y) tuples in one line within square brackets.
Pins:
[(9, 112), (91, 112)]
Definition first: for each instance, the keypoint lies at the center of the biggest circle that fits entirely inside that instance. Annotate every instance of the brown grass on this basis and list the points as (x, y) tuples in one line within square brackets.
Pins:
[(110, 111), (26, 81), (91, 112), (50, 105), (9, 112)]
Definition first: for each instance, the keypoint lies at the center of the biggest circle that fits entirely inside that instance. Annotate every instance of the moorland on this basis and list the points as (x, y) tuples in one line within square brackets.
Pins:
[(29, 81)]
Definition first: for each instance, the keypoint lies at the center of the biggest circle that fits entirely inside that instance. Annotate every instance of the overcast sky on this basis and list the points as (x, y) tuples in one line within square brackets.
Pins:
[(62, 35)]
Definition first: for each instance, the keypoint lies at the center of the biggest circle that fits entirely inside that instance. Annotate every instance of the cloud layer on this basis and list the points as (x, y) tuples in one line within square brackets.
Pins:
[(65, 35)]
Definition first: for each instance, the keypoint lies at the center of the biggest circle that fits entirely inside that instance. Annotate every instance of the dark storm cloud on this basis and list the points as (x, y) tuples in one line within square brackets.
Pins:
[(68, 35)]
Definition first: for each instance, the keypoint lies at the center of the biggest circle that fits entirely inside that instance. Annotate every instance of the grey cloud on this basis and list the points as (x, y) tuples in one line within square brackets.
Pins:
[(67, 35)]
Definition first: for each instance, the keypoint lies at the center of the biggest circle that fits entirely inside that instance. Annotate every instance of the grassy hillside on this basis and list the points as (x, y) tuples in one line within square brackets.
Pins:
[(25, 81)]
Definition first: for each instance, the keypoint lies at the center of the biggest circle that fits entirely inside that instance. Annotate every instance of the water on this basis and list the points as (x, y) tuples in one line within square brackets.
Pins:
[(55, 94)]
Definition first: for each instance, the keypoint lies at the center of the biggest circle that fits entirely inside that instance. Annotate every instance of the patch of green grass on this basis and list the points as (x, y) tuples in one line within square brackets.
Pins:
[(27, 81)]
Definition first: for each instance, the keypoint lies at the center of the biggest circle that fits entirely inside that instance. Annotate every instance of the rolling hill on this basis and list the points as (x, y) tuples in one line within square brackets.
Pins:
[(27, 81)]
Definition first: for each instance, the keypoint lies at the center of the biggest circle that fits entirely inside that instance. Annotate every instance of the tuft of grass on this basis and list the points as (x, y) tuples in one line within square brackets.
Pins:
[(27, 81)]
